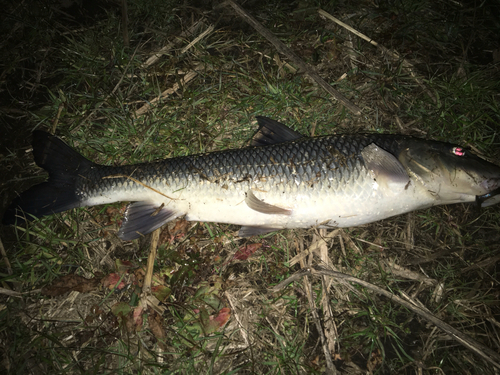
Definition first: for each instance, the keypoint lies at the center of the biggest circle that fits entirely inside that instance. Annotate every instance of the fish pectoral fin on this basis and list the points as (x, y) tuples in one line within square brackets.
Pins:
[(272, 132), (248, 231), (144, 217), (260, 206), (385, 168)]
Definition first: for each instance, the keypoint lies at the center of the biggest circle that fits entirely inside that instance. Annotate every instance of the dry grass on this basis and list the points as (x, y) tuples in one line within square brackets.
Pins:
[(191, 79)]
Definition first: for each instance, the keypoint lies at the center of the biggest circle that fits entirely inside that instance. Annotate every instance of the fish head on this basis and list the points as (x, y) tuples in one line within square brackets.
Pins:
[(452, 173)]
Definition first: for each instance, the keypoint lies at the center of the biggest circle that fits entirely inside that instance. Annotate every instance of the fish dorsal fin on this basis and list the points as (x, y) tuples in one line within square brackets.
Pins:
[(385, 168), (271, 132), (260, 206), (142, 218)]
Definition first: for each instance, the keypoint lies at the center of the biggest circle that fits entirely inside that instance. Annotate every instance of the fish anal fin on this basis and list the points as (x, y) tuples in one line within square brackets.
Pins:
[(144, 217), (385, 168), (271, 132), (248, 231), (260, 206)]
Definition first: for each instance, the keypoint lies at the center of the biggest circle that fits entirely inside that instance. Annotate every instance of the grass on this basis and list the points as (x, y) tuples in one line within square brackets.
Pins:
[(444, 258)]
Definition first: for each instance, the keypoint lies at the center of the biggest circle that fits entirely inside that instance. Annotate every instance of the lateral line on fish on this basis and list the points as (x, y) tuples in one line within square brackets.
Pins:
[(257, 189), (140, 183)]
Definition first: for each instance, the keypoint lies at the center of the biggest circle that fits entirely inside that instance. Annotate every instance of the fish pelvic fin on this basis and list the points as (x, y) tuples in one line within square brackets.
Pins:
[(142, 218), (58, 193)]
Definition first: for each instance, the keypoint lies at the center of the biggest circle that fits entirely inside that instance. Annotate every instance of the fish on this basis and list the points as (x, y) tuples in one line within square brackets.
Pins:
[(282, 180)]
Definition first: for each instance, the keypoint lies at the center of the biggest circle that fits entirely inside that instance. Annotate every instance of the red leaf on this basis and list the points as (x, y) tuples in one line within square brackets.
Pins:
[(216, 322), (113, 280), (246, 251), (223, 316), (156, 325), (137, 318)]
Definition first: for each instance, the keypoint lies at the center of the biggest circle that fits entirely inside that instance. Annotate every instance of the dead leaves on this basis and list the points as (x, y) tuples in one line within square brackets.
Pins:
[(114, 281), (175, 234), (219, 321), (155, 323), (374, 361), (244, 252), (196, 310), (204, 324), (70, 283), (129, 317), (207, 316)]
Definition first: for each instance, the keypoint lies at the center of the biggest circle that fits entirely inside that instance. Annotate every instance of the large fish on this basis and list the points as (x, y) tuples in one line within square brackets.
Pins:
[(283, 180)]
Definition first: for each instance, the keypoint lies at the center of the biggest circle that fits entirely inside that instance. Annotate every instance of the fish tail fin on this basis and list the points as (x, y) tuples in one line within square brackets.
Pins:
[(58, 193)]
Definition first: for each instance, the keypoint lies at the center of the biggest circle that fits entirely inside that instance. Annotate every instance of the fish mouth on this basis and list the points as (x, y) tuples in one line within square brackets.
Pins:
[(484, 200)]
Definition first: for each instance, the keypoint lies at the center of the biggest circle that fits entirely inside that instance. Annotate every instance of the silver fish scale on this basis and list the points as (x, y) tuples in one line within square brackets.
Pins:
[(321, 163)]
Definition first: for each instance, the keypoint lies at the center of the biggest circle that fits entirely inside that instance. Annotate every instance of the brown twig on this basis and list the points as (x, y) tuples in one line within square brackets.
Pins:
[(4, 258), (157, 55), (56, 120), (147, 299), (280, 46), (126, 39), (331, 333), (148, 278), (185, 79), (315, 245)]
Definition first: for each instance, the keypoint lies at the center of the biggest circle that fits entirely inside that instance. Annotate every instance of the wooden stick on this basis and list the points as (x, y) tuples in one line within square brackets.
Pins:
[(185, 34), (280, 46), (148, 300), (146, 286), (198, 38), (126, 39), (56, 120), (346, 26), (5, 258)]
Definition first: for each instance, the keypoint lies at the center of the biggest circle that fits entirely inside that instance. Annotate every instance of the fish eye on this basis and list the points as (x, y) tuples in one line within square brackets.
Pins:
[(459, 151)]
